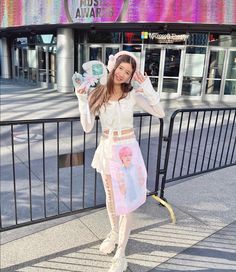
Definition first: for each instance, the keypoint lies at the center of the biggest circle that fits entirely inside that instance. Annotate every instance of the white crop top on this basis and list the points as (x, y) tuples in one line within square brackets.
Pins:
[(118, 115)]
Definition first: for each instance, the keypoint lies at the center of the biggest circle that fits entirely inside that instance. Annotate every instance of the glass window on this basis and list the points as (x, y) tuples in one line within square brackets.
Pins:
[(230, 83), (192, 86), (196, 50), (213, 86), (170, 85), (152, 61), (197, 39), (231, 71), (154, 81), (103, 37), (220, 40), (216, 63), (172, 62), (21, 41), (193, 70), (52, 64), (42, 63), (230, 87), (132, 37), (46, 39), (111, 51), (132, 48), (215, 71), (95, 53)]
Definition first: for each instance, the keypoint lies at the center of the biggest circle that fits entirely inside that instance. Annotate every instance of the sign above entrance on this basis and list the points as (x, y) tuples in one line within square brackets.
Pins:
[(24, 12), (165, 38)]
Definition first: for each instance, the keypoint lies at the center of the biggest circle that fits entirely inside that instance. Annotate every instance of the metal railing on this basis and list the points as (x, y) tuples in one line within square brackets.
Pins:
[(46, 164), (46, 167), (199, 141)]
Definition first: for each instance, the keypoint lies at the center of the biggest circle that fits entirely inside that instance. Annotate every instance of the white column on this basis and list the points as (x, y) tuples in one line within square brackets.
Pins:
[(65, 59), (5, 58)]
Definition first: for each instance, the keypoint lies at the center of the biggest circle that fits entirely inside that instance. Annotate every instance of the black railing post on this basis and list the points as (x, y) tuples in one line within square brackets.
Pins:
[(167, 154), (159, 155)]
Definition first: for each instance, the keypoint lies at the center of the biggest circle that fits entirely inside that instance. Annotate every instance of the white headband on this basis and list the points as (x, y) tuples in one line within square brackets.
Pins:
[(113, 58)]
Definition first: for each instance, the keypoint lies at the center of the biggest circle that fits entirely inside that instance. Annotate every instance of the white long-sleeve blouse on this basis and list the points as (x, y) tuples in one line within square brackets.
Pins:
[(118, 116)]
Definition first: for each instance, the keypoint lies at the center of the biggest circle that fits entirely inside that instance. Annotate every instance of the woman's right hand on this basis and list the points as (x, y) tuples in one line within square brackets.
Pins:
[(81, 91)]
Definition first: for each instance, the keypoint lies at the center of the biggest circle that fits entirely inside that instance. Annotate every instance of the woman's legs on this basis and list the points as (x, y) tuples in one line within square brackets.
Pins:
[(125, 227), (114, 219), (108, 245), (121, 224)]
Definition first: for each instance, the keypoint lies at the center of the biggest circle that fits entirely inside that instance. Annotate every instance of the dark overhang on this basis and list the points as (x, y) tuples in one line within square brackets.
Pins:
[(158, 27)]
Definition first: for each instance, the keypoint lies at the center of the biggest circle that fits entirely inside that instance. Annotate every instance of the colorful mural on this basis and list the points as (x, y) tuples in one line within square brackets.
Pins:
[(33, 12)]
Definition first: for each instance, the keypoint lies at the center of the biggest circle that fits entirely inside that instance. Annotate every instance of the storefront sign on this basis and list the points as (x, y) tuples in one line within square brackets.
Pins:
[(168, 38)]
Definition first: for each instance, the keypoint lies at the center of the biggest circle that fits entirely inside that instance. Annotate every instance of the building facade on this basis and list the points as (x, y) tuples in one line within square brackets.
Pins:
[(188, 48)]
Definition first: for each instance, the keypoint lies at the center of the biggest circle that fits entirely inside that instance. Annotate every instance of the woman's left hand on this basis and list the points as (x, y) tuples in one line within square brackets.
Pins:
[(140, 78)]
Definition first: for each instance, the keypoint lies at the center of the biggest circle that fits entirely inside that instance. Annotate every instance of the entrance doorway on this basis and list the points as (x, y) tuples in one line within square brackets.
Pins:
[(46, 56), (101, 52), (215, 73), (164, 65)]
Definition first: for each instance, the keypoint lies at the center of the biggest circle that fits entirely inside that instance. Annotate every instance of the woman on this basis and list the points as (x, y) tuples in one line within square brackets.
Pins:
[(114, 103)]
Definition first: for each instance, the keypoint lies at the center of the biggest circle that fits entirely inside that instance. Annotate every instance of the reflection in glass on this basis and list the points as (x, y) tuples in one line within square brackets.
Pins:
[(230, 87), (197, 39), (231, 71), (215, 68), (170, 85), (154, 81), (103, 37), (132, 37), (196, 50), (132, 48), (172, 62), (20, 58), (32, 75), (42, 63), (192, 86), (110, 51), (213, 86), (52, 64), (230, 84), (152, 61), (95, 53), (82, 57)]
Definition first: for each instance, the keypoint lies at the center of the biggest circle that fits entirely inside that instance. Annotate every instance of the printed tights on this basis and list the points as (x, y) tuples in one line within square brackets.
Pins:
[(121, 224)]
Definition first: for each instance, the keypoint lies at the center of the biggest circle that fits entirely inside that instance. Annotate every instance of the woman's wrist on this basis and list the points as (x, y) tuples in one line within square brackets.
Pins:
[(149, 91)]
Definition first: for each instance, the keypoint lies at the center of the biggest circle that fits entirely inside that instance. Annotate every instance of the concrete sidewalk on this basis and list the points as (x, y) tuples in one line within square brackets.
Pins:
[(20, 102), (203, 238)]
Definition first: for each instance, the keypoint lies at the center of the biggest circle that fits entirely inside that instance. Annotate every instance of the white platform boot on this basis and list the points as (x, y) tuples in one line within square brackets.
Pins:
[(109, 244), (119, 262)]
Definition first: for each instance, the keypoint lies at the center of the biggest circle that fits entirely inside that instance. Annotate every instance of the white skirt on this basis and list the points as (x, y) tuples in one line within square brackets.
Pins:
[(103, 153)]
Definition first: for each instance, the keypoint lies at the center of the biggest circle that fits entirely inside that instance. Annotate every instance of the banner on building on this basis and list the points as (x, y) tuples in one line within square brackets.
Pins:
[(34, 12)]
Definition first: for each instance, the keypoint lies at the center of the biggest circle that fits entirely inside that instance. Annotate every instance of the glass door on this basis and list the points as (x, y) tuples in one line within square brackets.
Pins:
[(52, 52), (230, 80), (171, 67), (152, 64), (42, 54), (95, 52), (164, 66), (102, 52), (110, 49), (215, 71)]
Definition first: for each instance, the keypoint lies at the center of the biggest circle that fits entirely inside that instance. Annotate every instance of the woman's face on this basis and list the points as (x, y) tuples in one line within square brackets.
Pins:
[(126, 159), (123, 73)]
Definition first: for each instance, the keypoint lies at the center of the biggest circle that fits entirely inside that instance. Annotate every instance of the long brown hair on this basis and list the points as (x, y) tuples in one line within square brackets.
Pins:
[(101, 94)]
